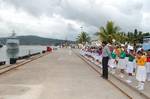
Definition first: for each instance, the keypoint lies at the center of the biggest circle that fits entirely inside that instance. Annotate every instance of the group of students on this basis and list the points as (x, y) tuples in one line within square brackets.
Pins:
[(125, 59)]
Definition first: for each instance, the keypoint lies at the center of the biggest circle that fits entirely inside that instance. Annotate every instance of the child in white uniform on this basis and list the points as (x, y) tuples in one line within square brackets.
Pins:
[(122, 63), (141, 70), (130, 65), (112, 62)]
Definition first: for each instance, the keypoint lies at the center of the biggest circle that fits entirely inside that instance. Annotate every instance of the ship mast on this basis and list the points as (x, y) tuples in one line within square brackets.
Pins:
[(13, 33)]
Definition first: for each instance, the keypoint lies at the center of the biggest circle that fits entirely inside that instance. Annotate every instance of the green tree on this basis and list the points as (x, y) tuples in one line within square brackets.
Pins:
[(136, 37), (108, 32), (121, 37), (146, 34), (83, 37), (140, 37)]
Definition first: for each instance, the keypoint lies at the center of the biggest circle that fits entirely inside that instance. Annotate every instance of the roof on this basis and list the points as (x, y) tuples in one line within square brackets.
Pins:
[(146, 46)]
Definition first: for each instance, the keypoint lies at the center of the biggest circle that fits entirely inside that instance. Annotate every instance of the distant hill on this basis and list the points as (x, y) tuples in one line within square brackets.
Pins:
[(36, 40)]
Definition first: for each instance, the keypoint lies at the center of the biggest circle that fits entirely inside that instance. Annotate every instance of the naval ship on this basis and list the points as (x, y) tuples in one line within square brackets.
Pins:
[(12, 42)]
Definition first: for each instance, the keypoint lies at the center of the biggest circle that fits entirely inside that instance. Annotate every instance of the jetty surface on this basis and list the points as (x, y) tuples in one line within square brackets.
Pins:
[(57, 75)]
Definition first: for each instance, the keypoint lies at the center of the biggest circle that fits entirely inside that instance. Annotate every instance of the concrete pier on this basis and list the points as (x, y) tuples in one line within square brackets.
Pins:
[(58, 75)]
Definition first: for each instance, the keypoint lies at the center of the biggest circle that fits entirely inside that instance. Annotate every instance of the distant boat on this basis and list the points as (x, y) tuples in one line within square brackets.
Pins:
[(12, 42)]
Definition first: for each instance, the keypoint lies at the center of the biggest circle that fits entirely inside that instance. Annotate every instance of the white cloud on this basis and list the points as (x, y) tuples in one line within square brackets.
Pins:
[(63, 18), (26, 24)]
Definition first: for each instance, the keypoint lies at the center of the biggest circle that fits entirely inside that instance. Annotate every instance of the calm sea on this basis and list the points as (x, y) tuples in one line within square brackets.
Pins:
[(23, 50)]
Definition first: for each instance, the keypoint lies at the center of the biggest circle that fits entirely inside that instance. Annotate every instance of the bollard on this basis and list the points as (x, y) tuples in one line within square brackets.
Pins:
[(13, 60), (43, 51), (2, 63), (49, 49)]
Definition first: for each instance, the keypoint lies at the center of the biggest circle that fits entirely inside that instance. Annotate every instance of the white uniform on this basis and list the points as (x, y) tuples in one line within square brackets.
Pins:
[(112, 63), (126, 62), (97, 57), (141, 73), (148, 70), (81, 52), (130, 67), (121, 63), (148, 67)]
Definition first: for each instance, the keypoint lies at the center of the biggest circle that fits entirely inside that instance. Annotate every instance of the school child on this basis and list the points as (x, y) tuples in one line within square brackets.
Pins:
[(92, 55), (148, 65), (126, 58), (112, 62), (87, 55), (121, 61), (96, 57), (130, 65), (141, 70), (82, 52), (117, 50)]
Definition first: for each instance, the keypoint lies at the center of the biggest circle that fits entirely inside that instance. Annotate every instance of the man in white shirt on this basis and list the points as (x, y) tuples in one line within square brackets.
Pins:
[(106, 54)]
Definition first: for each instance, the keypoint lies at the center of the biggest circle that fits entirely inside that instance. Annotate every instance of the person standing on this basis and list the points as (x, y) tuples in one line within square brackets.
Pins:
[(130, 65), (106, 54), (121, 62), (141, 70), (112, 62)]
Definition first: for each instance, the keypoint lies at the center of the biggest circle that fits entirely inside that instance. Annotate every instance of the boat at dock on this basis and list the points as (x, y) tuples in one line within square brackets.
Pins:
[(12, 42)]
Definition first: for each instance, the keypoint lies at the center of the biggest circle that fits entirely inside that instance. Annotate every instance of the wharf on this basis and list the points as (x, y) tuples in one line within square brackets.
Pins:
[(58, 75)]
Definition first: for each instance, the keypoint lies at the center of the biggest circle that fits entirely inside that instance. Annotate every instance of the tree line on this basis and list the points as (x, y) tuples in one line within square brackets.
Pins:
[(112, 32)]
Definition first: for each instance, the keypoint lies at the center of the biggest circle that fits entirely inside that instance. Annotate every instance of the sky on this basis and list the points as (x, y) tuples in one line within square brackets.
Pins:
[(63, 19)]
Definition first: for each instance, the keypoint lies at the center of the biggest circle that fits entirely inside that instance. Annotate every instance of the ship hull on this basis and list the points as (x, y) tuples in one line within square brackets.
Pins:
[(12, 46)]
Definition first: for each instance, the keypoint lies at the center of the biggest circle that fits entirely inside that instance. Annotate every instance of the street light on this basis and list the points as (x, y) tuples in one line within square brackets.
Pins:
[(81, 29)]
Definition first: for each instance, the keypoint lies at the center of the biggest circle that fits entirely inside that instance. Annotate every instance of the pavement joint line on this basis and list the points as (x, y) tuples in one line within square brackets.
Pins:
[(21, 64), (85, 60)]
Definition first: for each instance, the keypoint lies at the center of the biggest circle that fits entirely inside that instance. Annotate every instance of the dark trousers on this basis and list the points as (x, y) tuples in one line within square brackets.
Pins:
[(105, 67)]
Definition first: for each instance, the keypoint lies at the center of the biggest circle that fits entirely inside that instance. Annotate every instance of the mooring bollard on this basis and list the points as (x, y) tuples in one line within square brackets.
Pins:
[(13, 60), (2, 63), (43, 51), (49, 49)]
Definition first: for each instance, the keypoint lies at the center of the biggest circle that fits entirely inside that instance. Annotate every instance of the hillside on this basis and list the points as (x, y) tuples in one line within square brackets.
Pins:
[(36, 40)]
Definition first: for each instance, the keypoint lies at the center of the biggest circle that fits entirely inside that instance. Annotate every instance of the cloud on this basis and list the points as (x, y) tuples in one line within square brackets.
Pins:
[(98, 13), (36, 7), (25, 23), (63, 18)]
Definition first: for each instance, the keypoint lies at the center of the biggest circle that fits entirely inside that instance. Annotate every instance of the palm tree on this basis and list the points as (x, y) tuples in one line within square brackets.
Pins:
[(120, 37), (135, 37), (109, 32), (83, 37)]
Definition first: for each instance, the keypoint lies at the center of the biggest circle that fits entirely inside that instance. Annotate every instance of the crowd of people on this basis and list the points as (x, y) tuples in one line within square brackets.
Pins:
[(123, 58)]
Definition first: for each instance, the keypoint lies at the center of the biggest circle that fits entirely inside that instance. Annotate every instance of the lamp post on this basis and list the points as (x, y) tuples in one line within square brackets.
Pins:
[(81, 28)]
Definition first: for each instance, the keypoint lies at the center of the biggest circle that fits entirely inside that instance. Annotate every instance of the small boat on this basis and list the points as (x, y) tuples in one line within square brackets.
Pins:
[(12, 42)]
